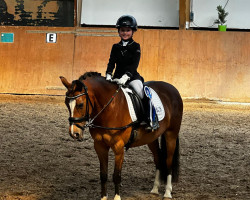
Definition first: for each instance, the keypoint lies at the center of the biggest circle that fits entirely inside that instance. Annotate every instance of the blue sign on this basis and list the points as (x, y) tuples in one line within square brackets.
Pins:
[(7, 37)]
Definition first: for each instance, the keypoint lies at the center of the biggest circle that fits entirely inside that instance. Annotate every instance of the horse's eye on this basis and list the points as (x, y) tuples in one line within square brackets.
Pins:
[(80, 105)]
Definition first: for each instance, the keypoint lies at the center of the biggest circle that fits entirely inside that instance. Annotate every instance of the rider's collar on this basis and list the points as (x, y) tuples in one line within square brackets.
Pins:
[(126, 42)]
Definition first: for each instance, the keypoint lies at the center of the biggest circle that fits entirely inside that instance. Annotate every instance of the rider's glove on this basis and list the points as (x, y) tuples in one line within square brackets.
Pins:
[(122, 80), (108, 77)]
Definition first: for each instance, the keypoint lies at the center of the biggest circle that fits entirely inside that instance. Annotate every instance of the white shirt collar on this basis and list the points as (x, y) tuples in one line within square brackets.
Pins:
[(124, 43)]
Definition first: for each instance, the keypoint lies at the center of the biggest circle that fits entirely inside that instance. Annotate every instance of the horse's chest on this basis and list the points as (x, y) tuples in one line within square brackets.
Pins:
[(106, 138)]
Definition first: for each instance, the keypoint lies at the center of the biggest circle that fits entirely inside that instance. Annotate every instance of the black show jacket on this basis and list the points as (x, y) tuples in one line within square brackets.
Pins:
[(125, 59)]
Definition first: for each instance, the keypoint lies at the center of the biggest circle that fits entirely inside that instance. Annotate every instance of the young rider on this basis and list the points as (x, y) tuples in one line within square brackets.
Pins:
[(125, 58)]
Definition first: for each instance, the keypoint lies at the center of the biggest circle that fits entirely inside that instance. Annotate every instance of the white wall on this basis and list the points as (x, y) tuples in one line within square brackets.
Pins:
[(159, 13), (205, 13)]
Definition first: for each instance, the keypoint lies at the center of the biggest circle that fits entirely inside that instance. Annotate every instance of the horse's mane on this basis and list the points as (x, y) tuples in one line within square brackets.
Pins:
[(89, 74)]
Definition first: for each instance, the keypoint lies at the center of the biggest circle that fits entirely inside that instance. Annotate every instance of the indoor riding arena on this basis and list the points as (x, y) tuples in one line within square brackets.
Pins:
[(39, 160), (43, 40)]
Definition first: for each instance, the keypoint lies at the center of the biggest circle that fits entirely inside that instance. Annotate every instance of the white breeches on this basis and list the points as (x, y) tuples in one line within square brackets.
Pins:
[(138, 87)]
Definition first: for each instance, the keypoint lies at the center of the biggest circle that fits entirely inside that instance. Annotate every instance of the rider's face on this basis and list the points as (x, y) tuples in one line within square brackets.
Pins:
[(125, 33)]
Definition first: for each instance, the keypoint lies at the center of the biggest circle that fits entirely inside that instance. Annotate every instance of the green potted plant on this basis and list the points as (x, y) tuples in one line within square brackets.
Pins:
[(221, 18)]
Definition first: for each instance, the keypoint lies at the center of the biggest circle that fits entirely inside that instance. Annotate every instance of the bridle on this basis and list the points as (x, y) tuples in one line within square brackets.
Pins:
[(74, 120), (89, 124)]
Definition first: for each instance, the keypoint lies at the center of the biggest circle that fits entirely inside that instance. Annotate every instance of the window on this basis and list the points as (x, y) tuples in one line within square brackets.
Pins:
[(205, 13), (155, 13)]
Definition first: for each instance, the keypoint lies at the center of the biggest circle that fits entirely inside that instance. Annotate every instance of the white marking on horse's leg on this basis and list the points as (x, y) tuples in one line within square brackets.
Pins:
[(117, 197), (72, 104), (157, 183), (104, 198), (168, 187)]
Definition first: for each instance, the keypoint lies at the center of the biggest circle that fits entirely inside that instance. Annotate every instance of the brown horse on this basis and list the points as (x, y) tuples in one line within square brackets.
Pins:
[(100, 105)]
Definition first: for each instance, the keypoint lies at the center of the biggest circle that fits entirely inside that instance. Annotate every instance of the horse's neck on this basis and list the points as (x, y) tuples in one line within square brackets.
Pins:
[(102, 92)]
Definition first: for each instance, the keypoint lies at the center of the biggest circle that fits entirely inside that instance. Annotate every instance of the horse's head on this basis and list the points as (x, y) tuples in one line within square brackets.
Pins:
[(79, 106)]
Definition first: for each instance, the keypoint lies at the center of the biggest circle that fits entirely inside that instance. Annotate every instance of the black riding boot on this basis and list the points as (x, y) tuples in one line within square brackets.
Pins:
[(146, 106), (155, 124)]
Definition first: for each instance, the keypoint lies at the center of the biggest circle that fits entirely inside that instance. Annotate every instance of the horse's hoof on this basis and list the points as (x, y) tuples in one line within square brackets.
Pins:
[(168, 197), (154, 193), (104, 198), (117, 197)]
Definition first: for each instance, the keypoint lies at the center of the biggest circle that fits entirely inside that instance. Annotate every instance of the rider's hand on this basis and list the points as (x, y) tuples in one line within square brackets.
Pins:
[(122, 80), (108, 77)]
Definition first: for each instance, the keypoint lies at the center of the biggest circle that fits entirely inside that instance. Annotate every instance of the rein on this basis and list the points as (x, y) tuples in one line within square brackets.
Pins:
[(74, 120)]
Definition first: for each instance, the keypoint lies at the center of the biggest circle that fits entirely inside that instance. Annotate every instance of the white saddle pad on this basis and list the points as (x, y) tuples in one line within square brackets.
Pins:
[(156, 102), (130, 104)]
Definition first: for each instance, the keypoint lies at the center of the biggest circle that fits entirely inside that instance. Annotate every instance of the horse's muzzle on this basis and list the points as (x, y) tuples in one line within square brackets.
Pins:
[(76, 133), (77, 136)]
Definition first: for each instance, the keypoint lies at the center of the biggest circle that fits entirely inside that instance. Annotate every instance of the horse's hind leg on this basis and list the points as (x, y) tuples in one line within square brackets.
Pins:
[(171, 141), (154, 147)]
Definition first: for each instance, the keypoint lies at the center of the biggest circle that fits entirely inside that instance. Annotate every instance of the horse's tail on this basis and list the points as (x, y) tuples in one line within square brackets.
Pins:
[(175, 162)]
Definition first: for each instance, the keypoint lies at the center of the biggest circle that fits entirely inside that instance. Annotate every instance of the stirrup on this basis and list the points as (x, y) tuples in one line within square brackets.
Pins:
[(143, 123), (148, 128), (156, 126)]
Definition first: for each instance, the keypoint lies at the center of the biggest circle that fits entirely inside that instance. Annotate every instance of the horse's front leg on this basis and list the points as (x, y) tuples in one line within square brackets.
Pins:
[(119, 157), (102, 152)]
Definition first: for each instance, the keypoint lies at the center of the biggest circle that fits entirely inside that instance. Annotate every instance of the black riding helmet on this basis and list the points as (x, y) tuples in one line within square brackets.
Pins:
[(127, 21)]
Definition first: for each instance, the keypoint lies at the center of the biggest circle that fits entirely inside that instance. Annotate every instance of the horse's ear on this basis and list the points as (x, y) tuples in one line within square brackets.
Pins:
[(65, 82), (78, 85)]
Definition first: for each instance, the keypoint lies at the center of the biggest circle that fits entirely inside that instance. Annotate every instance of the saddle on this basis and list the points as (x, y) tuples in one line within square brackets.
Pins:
[(139, 110), (135, 104)]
